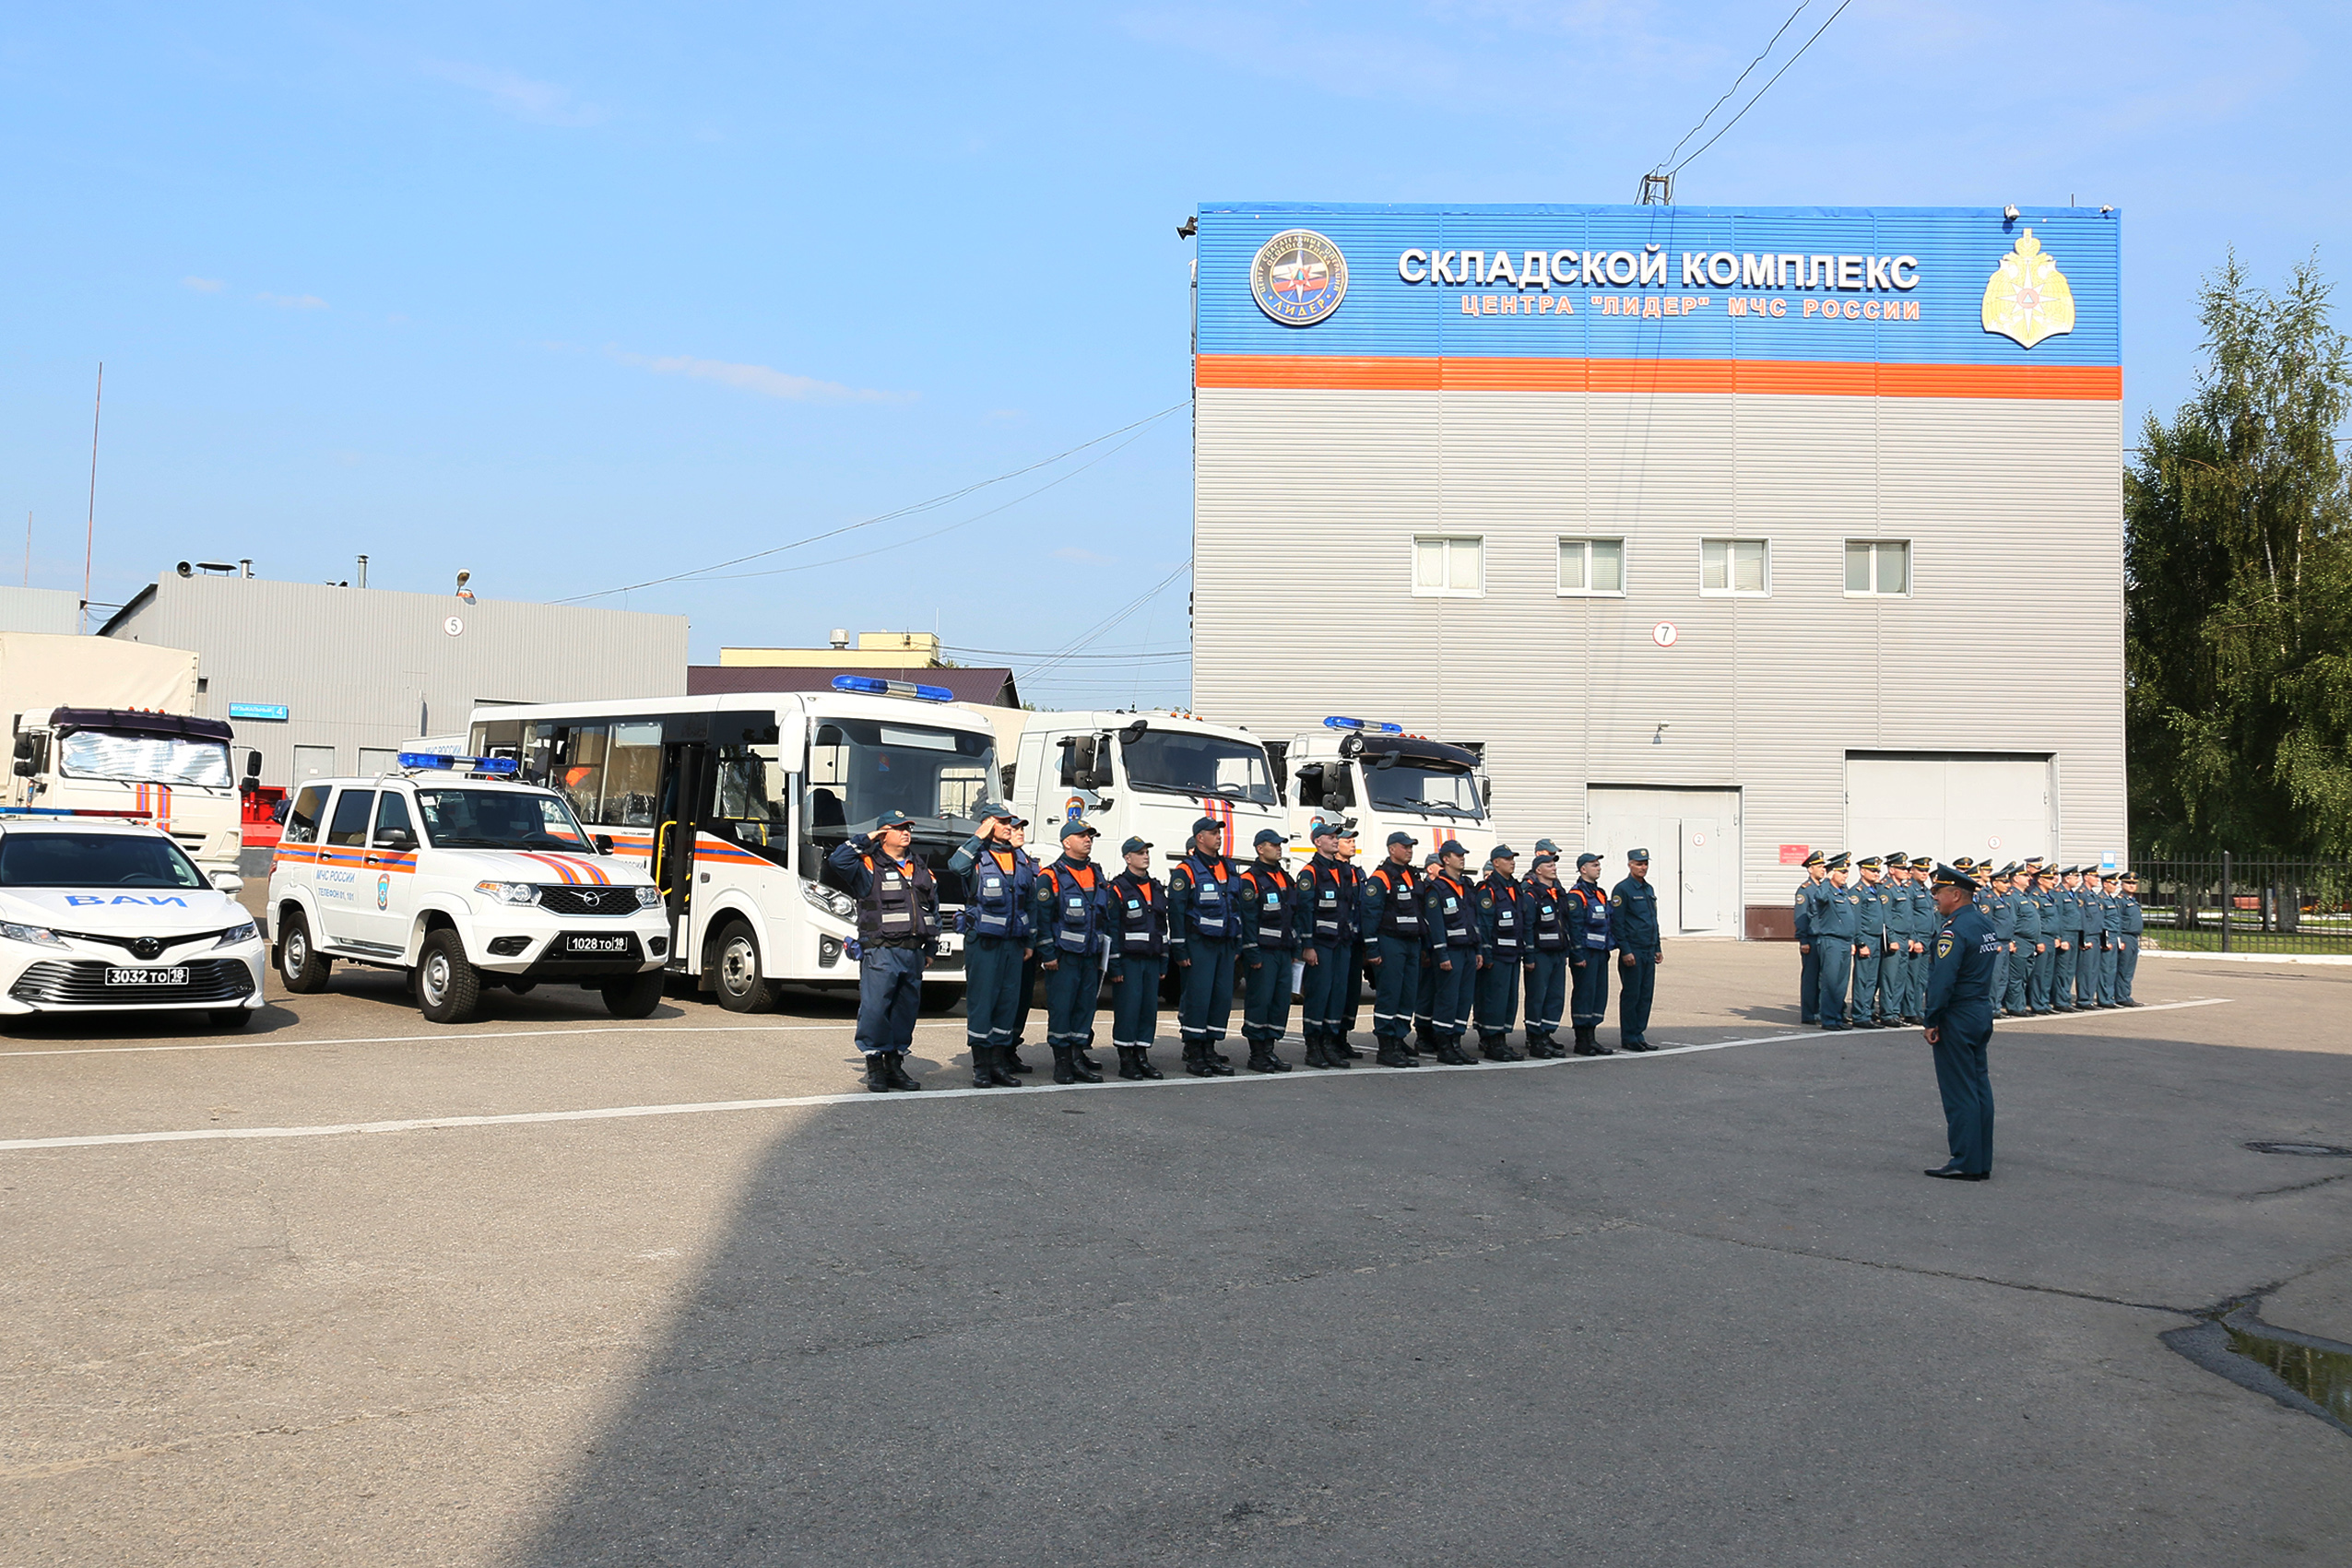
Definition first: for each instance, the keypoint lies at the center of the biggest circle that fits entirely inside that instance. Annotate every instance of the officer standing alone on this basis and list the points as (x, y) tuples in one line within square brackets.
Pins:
[(1391, 925), (1138, 954), (1269, 904), (1959, 1025), (898, 921), (1633, 915)]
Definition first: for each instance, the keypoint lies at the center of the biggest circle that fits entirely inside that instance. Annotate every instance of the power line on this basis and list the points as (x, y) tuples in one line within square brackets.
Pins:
[(935, 501), (1010, 654), (1751, 104), (1734, 86), (1103, 627)]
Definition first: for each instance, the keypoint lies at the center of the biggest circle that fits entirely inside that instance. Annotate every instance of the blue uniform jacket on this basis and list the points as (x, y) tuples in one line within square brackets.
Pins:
[(1592, 925), (1959, 985), (1837, 913), (1184, 904), (1633, 911), (1023, 874)]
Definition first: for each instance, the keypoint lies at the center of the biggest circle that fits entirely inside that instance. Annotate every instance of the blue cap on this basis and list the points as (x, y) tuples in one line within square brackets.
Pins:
[(1633, 854), (1543, 857), (1453, 846), (1208, 825), (1586, 858), (1545, 847), (1078, 825), (996, 809), (1268, 835), (1947, 877), (892, 819), (1135, 846), (1400, 836), (1502, 852)]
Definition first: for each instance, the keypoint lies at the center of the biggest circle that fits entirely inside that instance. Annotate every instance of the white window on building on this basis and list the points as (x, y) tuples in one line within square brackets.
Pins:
[(1741, 567), (1593, 566), (1878, 568), (1449, 568)]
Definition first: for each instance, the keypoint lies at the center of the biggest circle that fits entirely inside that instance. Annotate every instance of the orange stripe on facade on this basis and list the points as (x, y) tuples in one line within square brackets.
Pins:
[(1813, 378)]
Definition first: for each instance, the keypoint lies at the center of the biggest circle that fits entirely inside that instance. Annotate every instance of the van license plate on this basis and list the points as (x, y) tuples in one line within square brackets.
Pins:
[(178, 976)]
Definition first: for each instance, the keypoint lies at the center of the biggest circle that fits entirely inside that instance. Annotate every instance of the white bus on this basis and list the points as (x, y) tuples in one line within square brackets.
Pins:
[(734, 801)]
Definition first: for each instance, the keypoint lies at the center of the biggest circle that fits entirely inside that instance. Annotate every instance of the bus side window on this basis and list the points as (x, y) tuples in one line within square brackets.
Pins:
[(301, 819)]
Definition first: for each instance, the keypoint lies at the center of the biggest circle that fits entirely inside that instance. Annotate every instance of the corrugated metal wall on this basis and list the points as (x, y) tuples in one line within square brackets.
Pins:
[(371, 668)]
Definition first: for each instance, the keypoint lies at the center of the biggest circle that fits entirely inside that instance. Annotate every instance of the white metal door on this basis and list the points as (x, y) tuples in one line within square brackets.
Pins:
[(313, 762), (1700, 853)]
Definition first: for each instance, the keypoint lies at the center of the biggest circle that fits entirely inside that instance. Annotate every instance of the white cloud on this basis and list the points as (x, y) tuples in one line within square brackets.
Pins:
[(764, 380), (203, 285), (511, 92), (293, 302)]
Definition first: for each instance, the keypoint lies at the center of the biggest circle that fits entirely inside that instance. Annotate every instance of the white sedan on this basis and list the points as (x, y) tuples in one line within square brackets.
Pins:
[(99, 916)]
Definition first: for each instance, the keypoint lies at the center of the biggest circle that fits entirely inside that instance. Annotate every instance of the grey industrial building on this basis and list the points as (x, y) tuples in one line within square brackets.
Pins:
[(321, 679)]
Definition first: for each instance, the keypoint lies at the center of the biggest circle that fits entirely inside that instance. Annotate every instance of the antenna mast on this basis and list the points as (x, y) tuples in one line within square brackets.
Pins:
[(89, 544)]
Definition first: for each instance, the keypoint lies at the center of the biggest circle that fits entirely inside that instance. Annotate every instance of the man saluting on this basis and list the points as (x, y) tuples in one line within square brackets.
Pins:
[(1960, 1024)]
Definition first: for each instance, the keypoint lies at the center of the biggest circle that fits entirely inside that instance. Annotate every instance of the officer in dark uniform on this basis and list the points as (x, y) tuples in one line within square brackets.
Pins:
[(1502, 947), (1836, 926), (2068, 932), (1070, 917), (2092, 903), (994, 924), (1874, 913), (1138, 954), (1033, 967), (1925, 921), (2002, 909), (1270, 908), (1633, 918), (1808, 962), (2041, 885), (1331, 893), (2127, 956), (1206, 936), (2026, 946), (1450, 924), (1592, 935), (1390, 921), (1895, 965), (1424, 1027), (2110, 956), (1959, 1025), (1549, 929), (898, 924)]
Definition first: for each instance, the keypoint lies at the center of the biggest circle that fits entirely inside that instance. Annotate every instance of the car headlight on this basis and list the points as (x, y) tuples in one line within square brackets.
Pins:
[(41, 936), (832, 901), (509, 892), (236, 934), (648, 897)]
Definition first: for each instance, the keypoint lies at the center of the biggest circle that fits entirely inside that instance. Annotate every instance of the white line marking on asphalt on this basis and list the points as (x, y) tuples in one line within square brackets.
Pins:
[(861, 1097), (447, 1037)]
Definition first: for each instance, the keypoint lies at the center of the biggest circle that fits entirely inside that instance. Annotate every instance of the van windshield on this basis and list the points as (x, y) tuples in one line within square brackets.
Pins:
[(1198, 764), (145, 758), (498, 818)]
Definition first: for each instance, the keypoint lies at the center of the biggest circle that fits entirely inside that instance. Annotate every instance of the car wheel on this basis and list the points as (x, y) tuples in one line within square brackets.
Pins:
[(742, 986), (521, 987), (635, 995), (940, 996), (448, 986), (231, 1018), (300, 963)]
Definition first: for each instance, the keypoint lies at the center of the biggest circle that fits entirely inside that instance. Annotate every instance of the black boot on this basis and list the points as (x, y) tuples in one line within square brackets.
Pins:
[(1008, 1059), (1391, 1053), (1196, 1059), (1262, 1056), (1274, 1063), (1341, 1048), (1144, 1068), (1084, 1064), (1499, 1049), (1315, 1057), (997, 1073), (1126, 1068), (1449, 1053), (1336, 1052), (1065, 1067), (1215, 1061), (878, 1072), (1588, 1041), (895, 1066), (983, 1066)]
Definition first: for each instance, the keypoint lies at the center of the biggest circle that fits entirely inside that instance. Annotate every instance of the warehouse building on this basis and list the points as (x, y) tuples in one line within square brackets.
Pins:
[(323, 678), (1728, 533)]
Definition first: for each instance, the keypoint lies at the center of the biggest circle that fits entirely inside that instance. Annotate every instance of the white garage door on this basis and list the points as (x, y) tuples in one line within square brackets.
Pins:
[(1997, 808)]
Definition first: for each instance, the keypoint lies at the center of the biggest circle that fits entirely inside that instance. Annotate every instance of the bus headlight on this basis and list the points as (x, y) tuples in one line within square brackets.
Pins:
[(832, 901)]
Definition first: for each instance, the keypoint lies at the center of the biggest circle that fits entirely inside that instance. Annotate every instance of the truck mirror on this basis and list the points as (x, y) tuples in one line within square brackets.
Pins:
[(1310, 784), (1339, 791), (1134, 732), (1078, 762), (1486, 792), (25, 768), (1097, 774), (1004, 781), (253, 764), (25, 744)]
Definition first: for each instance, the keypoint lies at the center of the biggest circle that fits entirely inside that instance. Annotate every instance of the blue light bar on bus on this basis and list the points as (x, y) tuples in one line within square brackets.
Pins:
[(870, 686), (1373, 725), (456, 764)]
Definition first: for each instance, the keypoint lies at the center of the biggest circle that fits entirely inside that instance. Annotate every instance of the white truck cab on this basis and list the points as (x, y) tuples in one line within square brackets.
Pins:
[(170, 770), (1147, 776), (449, 869), (1385, 780)]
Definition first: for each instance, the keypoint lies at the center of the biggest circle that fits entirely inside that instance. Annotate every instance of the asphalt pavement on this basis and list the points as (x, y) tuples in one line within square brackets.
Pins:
[(549, 1290)]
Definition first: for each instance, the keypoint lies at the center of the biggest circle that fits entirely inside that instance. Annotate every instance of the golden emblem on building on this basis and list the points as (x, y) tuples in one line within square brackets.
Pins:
[(2027, 298)]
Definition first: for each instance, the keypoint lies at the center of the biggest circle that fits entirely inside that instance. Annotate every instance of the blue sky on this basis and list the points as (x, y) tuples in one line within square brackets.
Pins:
[(578, 296)]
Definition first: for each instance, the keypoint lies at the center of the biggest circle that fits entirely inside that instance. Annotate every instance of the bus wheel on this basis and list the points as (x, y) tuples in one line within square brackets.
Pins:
[(735, 975), (302, 966)]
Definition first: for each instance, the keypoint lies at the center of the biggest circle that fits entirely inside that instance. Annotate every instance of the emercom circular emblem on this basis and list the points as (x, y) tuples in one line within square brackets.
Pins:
[(1299, 277)]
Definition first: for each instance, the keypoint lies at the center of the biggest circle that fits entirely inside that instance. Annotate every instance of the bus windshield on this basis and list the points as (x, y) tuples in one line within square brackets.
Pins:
[(1409, 786), (1192, 763), (145, 759), (860, 768)]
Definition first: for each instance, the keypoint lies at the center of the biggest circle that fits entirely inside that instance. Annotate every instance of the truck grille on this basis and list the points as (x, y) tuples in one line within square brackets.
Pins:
[(567, 899), (58, 983)]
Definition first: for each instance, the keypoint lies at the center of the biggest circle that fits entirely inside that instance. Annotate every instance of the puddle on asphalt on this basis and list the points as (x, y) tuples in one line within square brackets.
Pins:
[(2322, 1376)]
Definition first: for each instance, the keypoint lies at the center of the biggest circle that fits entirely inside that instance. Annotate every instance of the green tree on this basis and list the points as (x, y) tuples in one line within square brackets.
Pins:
[(2238, 616)]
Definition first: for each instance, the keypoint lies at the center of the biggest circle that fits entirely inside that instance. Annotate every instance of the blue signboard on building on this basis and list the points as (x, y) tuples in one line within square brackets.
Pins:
[(276, 712)]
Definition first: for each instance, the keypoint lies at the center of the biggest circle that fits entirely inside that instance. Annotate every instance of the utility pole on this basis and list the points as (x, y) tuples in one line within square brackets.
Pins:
[(89, 544)]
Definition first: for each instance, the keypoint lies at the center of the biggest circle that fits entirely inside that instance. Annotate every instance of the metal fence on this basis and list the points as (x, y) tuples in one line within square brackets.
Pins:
[(2230, 905)]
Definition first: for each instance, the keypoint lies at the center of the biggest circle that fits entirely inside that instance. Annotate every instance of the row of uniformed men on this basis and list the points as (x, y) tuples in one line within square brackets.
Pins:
[(1443, 952), (2065, 940)]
